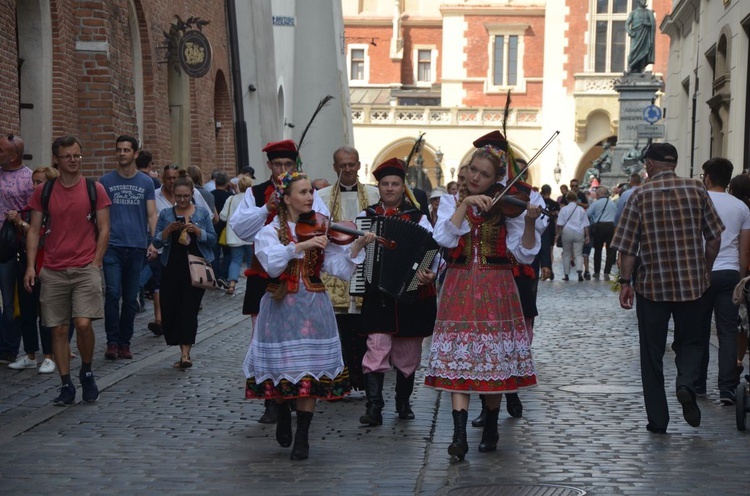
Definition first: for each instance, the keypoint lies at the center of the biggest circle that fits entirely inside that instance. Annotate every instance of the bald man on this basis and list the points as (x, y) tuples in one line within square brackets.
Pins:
[(16, 187)]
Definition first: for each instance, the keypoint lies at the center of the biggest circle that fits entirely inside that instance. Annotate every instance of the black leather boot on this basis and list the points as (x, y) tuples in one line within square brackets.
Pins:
[(404, 388), (374, 390), (271, 414), (489, 434), (459, 447), (301, 447), (480, 420), (284, 425), (514, 405)]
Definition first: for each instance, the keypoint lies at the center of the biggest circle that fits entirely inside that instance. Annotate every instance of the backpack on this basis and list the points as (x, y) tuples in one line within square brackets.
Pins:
[(47, 192)]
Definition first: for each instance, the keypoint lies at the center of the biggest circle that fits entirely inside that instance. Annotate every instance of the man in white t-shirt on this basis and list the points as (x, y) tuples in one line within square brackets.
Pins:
[(730, 266)]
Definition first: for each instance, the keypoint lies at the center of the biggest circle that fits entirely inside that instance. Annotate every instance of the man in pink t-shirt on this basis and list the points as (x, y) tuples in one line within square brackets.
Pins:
[(75, 241)]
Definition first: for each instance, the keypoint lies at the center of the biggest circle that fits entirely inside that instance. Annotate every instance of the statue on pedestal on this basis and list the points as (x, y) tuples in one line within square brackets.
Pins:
[(641, 26), (604, 162), (632, 161)]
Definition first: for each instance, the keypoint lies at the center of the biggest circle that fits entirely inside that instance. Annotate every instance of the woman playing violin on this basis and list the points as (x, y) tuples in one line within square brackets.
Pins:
[(295, 351), (481, 343)]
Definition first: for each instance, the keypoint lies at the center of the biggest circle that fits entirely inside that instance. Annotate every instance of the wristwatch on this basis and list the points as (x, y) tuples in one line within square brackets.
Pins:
[(622, 280)]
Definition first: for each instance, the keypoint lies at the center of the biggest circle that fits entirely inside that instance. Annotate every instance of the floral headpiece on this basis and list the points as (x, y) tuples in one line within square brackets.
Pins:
[(500, 155), (285, 179)]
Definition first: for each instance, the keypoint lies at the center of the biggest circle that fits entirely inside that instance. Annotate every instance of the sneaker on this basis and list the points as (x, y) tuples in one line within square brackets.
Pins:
[(587, 275), (67, 395), (7, 357), (23, 363), (112, 351), (124, 352), (727, 397), (47, 366), (88, 384)]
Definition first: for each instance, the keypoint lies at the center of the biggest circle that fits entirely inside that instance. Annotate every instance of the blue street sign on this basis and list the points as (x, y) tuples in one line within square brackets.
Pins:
[(652, 114)]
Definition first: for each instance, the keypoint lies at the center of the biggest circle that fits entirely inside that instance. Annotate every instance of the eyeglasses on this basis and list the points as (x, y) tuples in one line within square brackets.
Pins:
[(182, 197), (12, 139), (171, 167), (70, 158)]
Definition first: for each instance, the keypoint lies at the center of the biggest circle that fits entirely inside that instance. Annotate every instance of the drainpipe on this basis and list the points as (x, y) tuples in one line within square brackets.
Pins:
[(240, 126)]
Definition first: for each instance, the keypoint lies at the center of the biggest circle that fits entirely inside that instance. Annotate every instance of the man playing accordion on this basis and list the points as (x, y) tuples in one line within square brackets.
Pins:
[(395, 329)]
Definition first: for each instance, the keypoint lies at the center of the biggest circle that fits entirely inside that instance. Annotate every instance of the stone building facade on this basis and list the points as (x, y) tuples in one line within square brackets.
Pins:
[(96, 69), (445, 67)]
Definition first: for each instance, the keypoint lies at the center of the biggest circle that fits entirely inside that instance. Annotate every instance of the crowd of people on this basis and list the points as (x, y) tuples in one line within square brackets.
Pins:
[(84, 250)]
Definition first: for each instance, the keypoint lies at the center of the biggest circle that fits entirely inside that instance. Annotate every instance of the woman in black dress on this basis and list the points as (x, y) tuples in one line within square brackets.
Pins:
[(183, 229)]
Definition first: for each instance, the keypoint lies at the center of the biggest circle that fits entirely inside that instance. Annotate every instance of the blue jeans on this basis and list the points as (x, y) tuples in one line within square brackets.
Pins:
[(122, 271), (9, 327), (239, 253)]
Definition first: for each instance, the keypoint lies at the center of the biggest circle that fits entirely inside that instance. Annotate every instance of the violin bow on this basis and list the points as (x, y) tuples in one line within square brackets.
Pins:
[(520, 174)]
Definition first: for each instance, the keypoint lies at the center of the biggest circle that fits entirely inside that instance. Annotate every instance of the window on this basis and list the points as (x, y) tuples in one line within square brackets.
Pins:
[(610, 40), (505, 61), (358, 63), (424, 66)]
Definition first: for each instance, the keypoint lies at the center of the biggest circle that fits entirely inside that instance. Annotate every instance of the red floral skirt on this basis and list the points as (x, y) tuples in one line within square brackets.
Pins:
[(307, 387), (480, 343)]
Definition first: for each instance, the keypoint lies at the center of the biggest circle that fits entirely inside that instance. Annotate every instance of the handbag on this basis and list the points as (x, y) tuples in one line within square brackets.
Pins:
[(592, 227), (223, 235), (201, 273), (8, 242)]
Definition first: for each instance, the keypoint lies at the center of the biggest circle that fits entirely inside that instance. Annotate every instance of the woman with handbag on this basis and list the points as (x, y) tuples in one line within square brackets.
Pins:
[(295, 352), (239, 250), (182, 230), (573, 230)]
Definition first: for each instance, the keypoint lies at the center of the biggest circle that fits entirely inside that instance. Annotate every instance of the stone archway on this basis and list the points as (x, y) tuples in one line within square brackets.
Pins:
[(34, 39)]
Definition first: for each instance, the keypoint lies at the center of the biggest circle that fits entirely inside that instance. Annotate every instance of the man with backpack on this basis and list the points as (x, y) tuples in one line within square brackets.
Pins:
[(75, 214)]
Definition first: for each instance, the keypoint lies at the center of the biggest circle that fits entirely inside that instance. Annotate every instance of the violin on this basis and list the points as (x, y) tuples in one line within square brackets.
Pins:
[(341, 233), (511, 203)]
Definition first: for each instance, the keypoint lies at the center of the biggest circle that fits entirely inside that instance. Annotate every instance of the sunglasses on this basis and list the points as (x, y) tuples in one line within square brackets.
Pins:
[(171, 167)]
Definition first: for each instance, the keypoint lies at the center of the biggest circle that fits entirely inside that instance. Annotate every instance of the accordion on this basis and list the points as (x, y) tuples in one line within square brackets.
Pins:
[(394, 271)]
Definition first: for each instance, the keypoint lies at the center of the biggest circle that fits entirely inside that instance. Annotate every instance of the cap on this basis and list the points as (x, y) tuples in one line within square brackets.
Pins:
[(249, 171), (392, 167), (495, 139), (281, 149), (661, 152)]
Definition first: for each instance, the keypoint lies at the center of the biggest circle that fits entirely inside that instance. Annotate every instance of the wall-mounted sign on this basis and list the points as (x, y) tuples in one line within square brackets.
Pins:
[(195, 54), (283, 21)]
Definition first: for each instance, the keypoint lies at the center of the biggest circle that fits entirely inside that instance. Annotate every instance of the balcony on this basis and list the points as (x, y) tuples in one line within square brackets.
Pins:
[(387, 115)]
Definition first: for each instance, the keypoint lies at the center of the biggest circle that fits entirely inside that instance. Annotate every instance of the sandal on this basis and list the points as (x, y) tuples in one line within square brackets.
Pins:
[(155, 327), (230, 290), (185, 362)]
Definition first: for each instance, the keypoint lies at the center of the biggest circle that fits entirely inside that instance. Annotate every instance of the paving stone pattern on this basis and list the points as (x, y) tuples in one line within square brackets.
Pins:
[(158, 429)]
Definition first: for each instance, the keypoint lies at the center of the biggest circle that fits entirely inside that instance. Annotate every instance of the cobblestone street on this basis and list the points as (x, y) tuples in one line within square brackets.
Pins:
[(156, 429)]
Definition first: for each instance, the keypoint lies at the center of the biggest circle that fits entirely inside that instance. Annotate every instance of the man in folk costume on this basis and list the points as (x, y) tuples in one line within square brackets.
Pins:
[(255, 211), (395, 330), (526, 276), (345, 199)]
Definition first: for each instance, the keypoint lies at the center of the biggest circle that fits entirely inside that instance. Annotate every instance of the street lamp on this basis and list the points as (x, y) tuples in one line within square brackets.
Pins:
[(558, 173), (438, 167), (453, 173)]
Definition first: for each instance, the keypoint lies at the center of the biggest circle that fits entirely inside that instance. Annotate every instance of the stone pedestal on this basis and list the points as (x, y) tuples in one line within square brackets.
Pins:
[(637, 91)]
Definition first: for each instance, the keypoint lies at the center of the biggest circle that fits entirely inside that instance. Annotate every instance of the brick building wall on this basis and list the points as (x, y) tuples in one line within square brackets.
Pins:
[(420, 36), (93, 86), (577, 34), (477, 62)]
